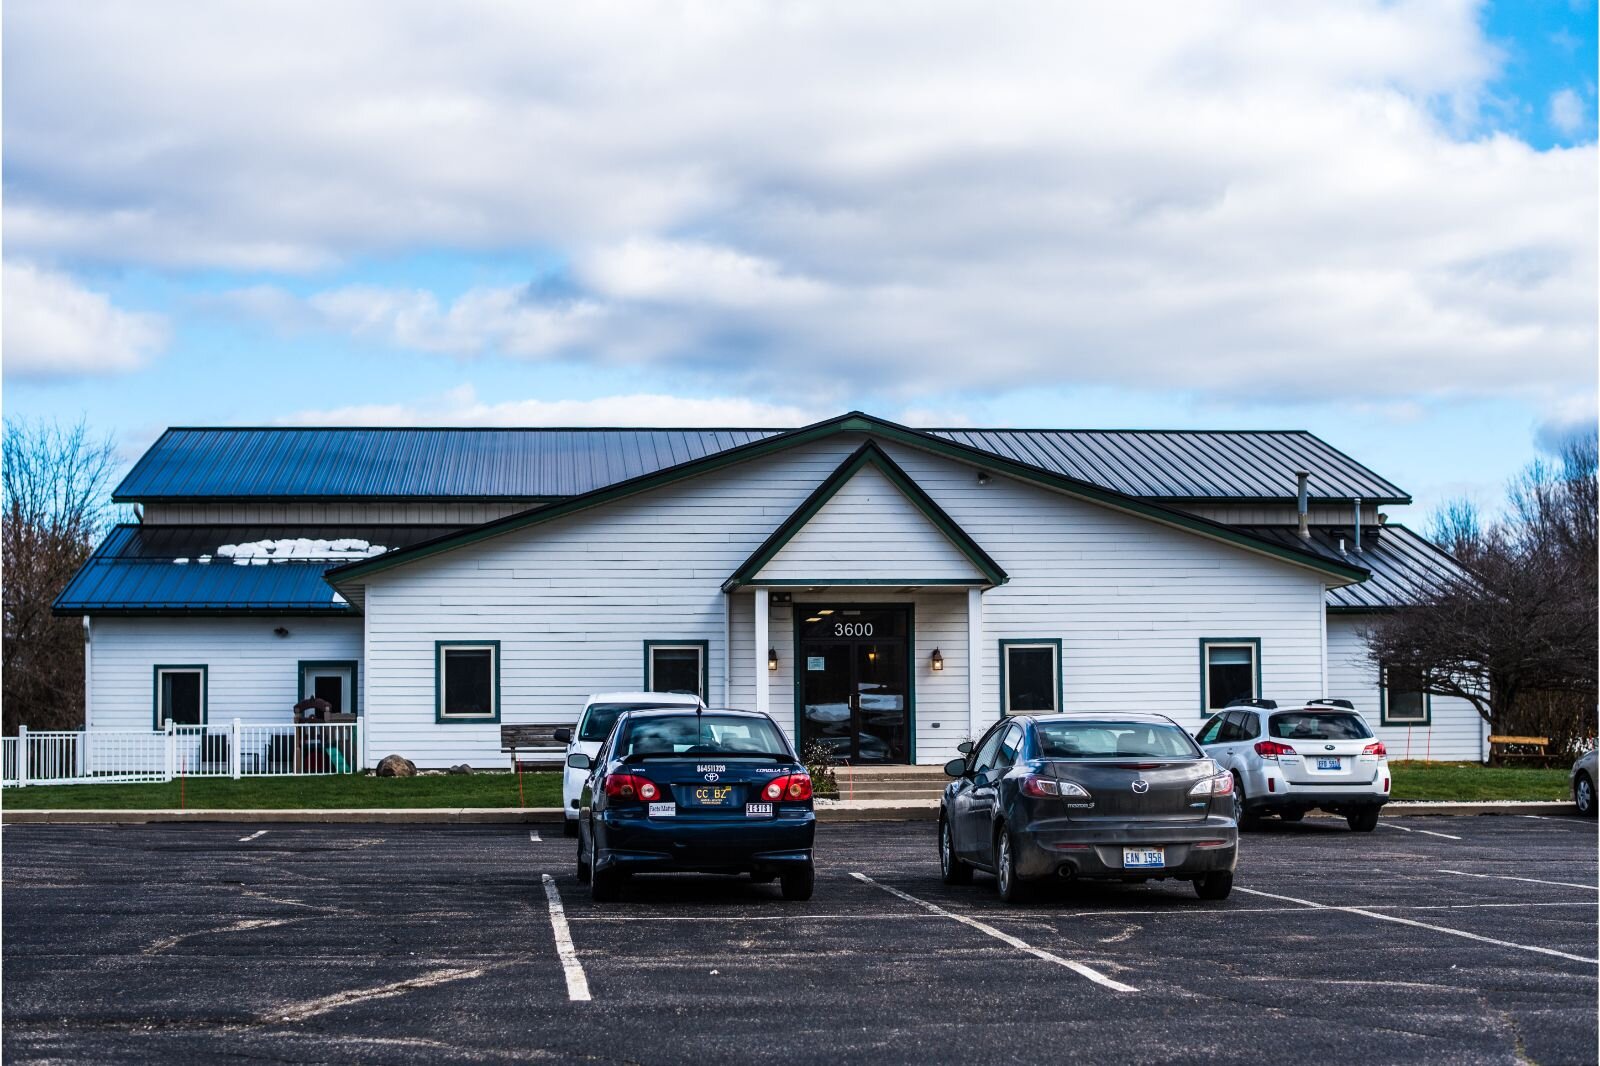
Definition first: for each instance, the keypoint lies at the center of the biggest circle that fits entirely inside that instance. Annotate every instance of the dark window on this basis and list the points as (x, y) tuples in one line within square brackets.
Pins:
[(694, 735), (1032, 675), (1010, 744), (329, 687), (1241, 726), (1211, 732), (1110, 739), (1230, 672), (600, 717), (1318, 725), (182, 697), (677, 668), (467, 682), (1404, 701), (985, 759)]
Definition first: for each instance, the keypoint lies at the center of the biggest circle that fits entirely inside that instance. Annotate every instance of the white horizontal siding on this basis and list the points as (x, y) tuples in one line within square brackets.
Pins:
[(573, 600), (869, 529), (252, 674), (1457, 730)]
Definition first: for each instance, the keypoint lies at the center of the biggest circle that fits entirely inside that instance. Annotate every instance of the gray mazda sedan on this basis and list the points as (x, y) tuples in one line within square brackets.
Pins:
[(1123, 797)]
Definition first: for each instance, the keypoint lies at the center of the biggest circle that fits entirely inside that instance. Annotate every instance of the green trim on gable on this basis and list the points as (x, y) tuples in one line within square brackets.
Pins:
[(439, 717), (854, 422), (869, 454), (155, 691)]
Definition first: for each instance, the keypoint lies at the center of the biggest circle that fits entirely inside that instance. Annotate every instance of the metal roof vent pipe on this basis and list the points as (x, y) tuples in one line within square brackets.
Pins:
[(1300, 503), (1357, 501)]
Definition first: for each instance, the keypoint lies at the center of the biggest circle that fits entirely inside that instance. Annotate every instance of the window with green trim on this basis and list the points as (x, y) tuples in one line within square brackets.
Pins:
[(675, 667), (469, 681), (1229, 670), (1404, 700), (1030, 676), (180, 695)]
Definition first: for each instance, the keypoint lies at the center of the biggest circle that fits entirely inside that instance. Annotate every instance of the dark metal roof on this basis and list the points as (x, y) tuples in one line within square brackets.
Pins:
[(547, 464), (135, 571), (1399, 561), (1189, 464)]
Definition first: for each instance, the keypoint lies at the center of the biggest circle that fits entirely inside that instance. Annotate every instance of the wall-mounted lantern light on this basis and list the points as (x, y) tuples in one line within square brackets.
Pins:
[(281, 631), (772, 658), (937, 660)]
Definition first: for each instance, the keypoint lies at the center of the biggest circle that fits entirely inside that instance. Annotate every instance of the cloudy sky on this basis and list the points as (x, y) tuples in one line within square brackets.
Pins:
[(1376, 221)]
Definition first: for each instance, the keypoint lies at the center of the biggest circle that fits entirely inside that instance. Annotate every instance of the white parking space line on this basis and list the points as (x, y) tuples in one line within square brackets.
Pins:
[(1429, 832), (1420, 925), (1529, 880), (972, 923), (533, 837), (252, 836), (577, 982)]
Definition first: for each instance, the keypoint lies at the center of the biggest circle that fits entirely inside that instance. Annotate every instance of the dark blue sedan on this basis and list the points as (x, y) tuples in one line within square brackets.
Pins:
[(684, 790)]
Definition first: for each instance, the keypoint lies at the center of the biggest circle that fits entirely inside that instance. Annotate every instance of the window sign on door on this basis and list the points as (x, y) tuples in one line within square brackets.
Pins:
[(816, 662)]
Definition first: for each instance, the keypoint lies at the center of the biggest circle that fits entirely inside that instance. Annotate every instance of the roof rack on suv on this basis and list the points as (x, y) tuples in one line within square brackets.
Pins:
[(1328, 702), (1242, 701)]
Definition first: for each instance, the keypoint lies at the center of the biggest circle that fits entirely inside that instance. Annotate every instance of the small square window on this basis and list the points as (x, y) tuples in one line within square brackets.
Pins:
[(676, 668), (1230, 670), (1030, 672), (180, 695), (1404, 700), (469, 681)]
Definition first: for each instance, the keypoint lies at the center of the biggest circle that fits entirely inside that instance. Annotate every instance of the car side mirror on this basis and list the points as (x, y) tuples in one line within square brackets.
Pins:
[(562, 736), (579, 761), (956, 768), (965, 747)]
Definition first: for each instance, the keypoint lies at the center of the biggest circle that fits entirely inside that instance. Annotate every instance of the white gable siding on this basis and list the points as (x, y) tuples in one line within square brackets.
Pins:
[(1457, 730), (251, 673), (573, 600), (869, 529)]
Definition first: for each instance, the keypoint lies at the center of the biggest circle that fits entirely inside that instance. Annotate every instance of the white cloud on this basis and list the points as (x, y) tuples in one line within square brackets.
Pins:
[(462, 407), (1240, 201), (56, 328), (1567, 112)]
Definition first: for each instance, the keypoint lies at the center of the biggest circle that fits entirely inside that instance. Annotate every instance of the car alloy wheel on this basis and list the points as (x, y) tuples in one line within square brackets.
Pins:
[(954, 871), (1002, 866), (1583, 795)]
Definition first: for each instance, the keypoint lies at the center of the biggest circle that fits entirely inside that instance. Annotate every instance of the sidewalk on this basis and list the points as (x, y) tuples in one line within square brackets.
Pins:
[(908, 810)]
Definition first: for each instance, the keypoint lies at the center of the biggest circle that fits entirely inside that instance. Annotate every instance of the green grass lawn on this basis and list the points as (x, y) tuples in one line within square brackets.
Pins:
[(1469, 781), (258, 793)]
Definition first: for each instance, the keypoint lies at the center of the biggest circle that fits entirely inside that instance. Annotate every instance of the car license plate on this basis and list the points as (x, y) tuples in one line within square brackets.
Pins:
[(1328, 764), (758, 810), (663, 810), (1143, 858), (713, 796)]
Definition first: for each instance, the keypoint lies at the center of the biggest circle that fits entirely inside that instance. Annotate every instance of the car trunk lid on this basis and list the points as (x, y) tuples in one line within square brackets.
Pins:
[(1154, 790)]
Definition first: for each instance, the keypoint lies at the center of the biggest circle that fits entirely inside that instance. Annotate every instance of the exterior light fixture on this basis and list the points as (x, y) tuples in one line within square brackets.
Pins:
[(772, 658), (282, 632), (983, 478), (937, 660)]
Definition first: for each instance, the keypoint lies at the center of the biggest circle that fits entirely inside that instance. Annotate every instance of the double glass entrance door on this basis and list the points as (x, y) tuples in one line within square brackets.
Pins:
[(855, 681)]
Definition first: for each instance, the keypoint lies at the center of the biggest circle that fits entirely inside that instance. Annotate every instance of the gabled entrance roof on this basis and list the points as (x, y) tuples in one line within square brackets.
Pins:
[(856, 422), (981, 569)]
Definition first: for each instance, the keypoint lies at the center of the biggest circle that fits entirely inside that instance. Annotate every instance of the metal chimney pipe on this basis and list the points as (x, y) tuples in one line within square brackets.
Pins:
[(1300, 503), (1357, 501)]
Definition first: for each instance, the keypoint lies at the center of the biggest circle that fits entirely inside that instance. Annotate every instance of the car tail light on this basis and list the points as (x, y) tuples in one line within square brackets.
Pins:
[(1215, 785), (1033, 785), (1386, 782), (1375, 748), (630, 787), (1271, 749), (790, 787)]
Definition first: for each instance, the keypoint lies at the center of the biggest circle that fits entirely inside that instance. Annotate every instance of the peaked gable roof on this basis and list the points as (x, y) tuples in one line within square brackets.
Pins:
[(868, 456), (853, 422)]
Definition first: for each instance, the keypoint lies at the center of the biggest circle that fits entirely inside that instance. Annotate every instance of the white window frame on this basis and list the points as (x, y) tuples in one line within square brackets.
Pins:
[(440, 657), (1006, 648), (652, 646), (1386, 714), (163, 713), (1207, 644)]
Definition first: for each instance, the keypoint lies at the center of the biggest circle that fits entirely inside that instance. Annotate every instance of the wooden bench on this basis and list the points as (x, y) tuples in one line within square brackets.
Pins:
[(539, 746), (1538, 743)]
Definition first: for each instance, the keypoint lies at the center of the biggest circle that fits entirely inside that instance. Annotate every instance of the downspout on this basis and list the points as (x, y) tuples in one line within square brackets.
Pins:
[(1357, 501), (88, 676), (1300, 503)]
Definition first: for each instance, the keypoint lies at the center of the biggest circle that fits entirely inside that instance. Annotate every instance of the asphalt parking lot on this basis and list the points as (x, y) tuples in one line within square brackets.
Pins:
[(1431, 940)]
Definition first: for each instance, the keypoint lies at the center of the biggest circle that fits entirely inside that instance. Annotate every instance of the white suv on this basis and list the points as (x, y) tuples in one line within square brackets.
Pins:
[(1287, 760), (594, 725)]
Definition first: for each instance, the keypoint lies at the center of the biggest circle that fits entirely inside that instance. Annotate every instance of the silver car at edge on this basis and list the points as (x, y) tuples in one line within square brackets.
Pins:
[(1582, 780), (1288, 760)]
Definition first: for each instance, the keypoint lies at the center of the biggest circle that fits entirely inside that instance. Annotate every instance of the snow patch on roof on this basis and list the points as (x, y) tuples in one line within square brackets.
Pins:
[(300, 549)]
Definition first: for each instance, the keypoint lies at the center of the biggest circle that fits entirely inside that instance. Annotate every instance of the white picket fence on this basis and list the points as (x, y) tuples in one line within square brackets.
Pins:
[(236, 750)]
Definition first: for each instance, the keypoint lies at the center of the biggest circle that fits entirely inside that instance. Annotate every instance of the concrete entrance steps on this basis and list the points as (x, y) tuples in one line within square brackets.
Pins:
[(890, 782)]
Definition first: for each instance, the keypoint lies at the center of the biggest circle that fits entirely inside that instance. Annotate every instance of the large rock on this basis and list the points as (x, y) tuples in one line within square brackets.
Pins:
[(462, 768), (397, 766)]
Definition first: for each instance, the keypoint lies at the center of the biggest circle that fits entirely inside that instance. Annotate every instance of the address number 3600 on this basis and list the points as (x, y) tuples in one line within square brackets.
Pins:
[(852, 629)]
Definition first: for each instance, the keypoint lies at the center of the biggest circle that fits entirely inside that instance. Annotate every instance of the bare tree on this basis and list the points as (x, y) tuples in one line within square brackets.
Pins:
[(1516, 628), (55, 501)]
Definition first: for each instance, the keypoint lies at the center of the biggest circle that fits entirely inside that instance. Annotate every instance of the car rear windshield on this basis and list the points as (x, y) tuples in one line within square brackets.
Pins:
[(1112, 740), (1318, 725), (700, 734), (601, 717)]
